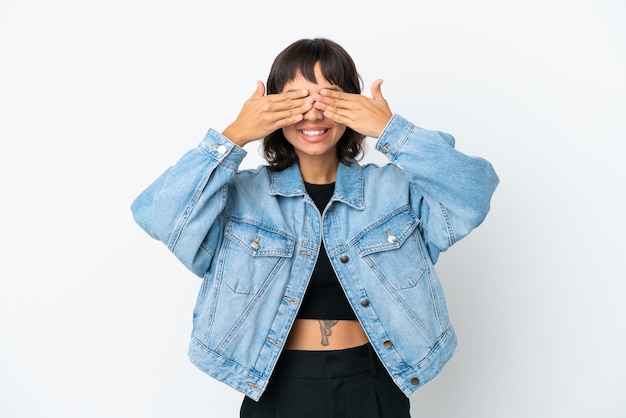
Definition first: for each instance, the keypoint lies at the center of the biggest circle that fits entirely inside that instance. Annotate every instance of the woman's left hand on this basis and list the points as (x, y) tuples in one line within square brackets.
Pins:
[(362, 114)]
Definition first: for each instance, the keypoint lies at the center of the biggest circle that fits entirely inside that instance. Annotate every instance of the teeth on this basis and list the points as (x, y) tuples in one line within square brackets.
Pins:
[(314, 133)]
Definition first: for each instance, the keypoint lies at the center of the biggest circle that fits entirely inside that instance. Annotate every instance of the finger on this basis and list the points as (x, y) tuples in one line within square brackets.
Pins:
[(288, 117), (337, 99), (295, 112), (333, 98), (333, 93), (377, 93), (260, 90), (337, 117), (289, 100), (296, 94), (305, 106), (299, 105)]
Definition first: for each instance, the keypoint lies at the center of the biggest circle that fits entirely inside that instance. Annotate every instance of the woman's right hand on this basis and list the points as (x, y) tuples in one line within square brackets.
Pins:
[(262, 115)]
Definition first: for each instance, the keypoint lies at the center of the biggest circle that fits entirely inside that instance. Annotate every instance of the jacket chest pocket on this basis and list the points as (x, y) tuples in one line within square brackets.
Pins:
[(251, 256), (393, 249)]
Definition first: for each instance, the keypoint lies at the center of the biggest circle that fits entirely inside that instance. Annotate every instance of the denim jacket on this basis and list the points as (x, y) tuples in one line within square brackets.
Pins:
[(254, 237)]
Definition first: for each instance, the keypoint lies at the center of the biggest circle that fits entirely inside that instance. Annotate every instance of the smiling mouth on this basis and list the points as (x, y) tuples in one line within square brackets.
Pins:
[(314, 133)]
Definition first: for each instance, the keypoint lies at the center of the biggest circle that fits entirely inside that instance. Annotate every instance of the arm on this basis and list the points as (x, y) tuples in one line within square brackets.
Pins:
[(180, 207), (450, 191)]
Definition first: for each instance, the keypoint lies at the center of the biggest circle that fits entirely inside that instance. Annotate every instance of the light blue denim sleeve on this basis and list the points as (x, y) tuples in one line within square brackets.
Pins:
[(181, 207), (450, 191)]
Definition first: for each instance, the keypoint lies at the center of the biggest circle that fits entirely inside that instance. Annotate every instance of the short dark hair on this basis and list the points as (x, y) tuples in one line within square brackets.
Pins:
[(338, 68)]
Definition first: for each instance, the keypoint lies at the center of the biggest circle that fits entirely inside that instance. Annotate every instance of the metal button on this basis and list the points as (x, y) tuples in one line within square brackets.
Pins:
[(391, 238), (415, 381), (387, 344), (344, 258), (365, 302), (385, 148), (255, 244), (221, 149)]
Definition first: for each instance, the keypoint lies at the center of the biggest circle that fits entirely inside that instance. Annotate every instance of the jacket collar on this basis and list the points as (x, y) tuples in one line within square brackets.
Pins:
[(348, 187)]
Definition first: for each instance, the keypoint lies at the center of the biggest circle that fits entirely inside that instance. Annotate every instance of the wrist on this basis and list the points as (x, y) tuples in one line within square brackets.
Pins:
[(231, 133)]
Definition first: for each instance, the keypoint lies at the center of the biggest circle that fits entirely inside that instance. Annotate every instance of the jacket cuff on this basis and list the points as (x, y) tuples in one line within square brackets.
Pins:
[(397, 132), (221, 149)]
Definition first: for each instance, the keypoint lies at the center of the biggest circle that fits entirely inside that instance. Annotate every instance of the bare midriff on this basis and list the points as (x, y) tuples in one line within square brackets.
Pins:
[(325, 334)]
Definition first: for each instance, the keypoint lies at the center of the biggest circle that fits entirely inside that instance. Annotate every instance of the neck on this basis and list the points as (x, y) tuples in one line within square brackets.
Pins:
[(322, 172)]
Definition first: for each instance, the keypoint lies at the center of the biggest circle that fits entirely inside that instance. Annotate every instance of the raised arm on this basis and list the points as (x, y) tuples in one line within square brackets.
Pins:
[(181, 207), (451, 191)]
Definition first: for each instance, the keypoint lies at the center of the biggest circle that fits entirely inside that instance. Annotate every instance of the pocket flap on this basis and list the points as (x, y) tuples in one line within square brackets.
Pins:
[(388, 233), (259, 241)]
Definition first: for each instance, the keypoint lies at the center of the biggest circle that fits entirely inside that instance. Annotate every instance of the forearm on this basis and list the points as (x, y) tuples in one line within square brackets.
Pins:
[(181, 205), (452, 190)]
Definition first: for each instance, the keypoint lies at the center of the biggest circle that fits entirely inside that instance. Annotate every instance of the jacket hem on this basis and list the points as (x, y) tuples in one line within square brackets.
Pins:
[(226, 371), (430, 367)]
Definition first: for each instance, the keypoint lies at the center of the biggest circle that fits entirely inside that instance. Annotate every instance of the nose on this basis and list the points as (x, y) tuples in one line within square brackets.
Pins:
[(314, 114)]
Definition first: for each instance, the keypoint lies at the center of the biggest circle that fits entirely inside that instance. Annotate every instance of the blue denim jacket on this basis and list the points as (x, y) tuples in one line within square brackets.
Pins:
[(254, 236)]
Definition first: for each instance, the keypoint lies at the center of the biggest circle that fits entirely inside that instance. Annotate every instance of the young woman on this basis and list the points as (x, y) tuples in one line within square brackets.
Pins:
[(319, 294)]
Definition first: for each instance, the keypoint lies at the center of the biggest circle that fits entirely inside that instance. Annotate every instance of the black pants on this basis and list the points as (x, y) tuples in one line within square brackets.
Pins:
[(329, 384)]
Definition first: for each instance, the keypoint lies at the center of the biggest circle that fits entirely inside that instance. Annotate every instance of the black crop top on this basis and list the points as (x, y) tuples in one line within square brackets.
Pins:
[(324, 297)]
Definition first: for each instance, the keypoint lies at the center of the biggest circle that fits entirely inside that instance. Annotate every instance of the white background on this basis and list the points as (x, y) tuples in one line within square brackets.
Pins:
[(97, 98)]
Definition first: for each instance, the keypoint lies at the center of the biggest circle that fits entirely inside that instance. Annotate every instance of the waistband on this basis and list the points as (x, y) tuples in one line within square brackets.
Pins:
[(329, 364)]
